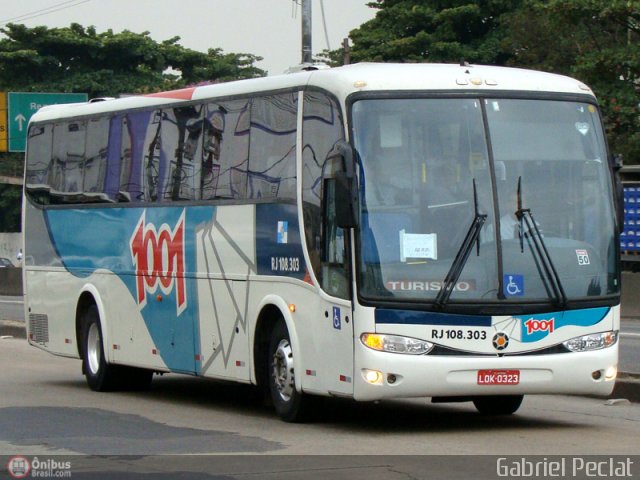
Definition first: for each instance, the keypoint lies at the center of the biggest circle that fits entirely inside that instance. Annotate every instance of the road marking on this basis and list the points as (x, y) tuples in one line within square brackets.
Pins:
[(15, 302)]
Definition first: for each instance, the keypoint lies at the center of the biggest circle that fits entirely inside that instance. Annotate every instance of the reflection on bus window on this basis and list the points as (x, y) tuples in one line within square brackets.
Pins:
[(272, 162), (226, 150), (426, 172), (181, 140), (322, 129)]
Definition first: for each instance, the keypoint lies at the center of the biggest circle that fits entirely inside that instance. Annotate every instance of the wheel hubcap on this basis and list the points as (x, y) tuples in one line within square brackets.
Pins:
[(283, 370), (94, 348)]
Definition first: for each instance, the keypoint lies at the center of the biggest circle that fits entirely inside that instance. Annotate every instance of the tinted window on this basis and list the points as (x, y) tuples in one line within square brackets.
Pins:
[(67, 165), (140, 151), (39, 156), (196, 152), (180, 146), (95, 164), (226, 150), (272, 162), (322, 129)]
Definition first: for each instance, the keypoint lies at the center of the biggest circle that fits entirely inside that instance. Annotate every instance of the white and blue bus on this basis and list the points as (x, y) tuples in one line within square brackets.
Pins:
[(369, 231)]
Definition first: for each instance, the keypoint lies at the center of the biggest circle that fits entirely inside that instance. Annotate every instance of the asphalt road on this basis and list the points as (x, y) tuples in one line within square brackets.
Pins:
[(217, 430)]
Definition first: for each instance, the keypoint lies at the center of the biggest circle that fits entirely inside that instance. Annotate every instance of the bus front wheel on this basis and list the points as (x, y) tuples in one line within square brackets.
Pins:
[(498, 404), (290, 405)]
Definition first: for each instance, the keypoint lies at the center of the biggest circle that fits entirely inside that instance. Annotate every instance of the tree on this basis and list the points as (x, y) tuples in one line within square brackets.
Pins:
[(78, 59), (596, 41), (432, 30)]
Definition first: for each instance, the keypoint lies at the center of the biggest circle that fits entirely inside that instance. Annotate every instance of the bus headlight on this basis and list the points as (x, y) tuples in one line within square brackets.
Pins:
[(595, 341), (395, 344)]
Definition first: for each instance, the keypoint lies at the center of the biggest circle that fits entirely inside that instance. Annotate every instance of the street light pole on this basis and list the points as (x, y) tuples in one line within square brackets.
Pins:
[(307, 56)]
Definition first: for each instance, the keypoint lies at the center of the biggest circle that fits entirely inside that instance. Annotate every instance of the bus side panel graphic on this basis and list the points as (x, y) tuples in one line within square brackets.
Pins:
[(156, 244)]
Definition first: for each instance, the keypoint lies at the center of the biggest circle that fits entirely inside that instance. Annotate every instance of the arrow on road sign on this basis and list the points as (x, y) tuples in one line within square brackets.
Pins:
[(20, 119), (22, 105)]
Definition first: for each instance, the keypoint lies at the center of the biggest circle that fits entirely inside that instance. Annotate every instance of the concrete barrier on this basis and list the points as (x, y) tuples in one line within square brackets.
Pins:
[(11, 281), (629, 303)]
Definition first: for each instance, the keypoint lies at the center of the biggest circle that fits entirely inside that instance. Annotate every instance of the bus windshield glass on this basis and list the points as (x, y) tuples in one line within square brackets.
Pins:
[(534, 170)]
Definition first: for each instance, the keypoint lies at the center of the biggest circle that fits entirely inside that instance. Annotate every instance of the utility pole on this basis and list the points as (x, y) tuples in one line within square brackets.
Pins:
[(346, 52), (307, 56)]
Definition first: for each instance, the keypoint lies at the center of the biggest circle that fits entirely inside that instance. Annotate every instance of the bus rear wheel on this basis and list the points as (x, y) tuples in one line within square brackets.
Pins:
[(498, 404), (100, 375), (290, 405)]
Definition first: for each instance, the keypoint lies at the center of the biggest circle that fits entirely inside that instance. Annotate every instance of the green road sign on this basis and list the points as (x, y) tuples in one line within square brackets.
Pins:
[(21, 106)]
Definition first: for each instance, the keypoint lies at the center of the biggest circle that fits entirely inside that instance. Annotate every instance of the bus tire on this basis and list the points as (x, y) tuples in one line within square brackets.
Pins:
[(290, 405), (498, 404), (100, 375)]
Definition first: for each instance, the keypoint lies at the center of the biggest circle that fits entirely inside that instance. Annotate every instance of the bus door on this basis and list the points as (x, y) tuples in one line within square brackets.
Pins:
[(336, 305), (331, 348)]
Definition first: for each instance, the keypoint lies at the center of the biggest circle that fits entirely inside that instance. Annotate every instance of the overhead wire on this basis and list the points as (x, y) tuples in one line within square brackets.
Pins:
[(43, 11), (324, 24)]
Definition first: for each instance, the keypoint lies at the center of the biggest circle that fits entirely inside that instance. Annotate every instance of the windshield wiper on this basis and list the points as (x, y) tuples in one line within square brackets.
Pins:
[(460, 260), (528, 228)]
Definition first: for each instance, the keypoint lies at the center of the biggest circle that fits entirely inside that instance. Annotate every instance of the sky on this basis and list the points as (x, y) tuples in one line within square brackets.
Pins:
[(266, 28)]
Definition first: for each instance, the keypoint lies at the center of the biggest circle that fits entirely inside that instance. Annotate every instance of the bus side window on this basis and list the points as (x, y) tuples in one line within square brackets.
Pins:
[(95, 163), (39, 162), (134, 156), (272, 151), (181, 141), (225, 150), (68, 161)]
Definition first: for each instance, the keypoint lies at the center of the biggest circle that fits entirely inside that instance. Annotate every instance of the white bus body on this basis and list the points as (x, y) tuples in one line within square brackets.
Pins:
[(198, 232)]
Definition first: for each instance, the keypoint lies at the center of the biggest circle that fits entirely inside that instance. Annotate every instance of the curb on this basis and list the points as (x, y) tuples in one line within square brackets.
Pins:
[(627, 384)]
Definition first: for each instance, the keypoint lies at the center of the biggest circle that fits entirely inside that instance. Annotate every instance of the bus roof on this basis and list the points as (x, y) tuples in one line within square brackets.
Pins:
[(343, 81)]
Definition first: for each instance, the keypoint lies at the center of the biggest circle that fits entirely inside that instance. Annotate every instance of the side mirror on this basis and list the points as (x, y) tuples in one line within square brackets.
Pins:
[(618, 162), (346, 188)]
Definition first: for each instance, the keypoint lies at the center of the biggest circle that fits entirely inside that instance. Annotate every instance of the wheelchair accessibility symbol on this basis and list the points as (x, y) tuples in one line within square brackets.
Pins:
[(513, 285), (337, 322)]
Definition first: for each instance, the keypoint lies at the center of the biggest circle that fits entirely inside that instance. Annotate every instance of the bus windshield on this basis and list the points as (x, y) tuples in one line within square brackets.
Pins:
[(534, 170)]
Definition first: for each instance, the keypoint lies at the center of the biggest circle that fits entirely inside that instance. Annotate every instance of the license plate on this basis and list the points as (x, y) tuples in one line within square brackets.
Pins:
[(498, 377)]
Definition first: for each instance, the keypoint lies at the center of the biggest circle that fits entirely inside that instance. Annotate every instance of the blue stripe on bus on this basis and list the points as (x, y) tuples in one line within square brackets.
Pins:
[(411, 317), (91, 239)]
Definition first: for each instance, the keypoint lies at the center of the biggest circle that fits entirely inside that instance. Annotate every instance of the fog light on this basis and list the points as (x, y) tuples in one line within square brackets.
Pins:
[(611, 373), (374, 377), (596, 375)]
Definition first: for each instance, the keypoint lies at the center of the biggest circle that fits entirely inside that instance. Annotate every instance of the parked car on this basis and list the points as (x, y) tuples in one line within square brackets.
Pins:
[(5, 262)]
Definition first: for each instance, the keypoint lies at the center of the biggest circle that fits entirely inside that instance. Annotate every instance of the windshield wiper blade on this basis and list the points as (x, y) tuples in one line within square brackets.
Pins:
[(460, 260), (528, 229)]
